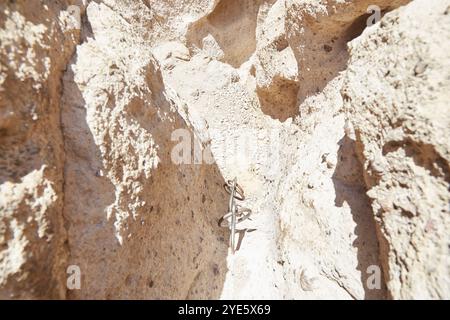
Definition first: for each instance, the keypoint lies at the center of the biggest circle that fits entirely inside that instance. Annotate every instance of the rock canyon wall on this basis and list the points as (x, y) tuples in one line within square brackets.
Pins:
[(333, 115)]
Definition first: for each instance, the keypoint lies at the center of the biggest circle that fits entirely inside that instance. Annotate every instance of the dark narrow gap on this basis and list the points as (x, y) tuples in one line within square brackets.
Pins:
[(350, 188)]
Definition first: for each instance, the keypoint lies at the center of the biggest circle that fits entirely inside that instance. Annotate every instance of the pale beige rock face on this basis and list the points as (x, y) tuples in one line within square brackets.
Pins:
[(139, 226), (399, 111), (36, 43), (347, 165)]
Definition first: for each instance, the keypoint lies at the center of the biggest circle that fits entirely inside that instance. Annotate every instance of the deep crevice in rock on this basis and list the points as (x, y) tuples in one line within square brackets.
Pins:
[(349, 185), (229, 32), (141, 226)]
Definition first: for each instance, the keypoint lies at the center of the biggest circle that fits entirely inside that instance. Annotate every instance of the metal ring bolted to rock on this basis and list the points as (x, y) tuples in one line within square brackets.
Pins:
[(239, 195), (242, 214)]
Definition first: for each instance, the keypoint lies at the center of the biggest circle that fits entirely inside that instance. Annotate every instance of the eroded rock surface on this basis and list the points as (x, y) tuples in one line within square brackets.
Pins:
[(336, 130), (400, 117), (36, 42)]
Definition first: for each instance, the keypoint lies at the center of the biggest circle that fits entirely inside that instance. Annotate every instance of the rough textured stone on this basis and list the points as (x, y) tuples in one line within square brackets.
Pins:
[(36, 41), (399, 111), (346, 164)]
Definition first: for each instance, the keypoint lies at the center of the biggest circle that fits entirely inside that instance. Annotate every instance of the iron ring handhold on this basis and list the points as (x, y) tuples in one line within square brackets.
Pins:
[(241, 215), (239, 195)]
